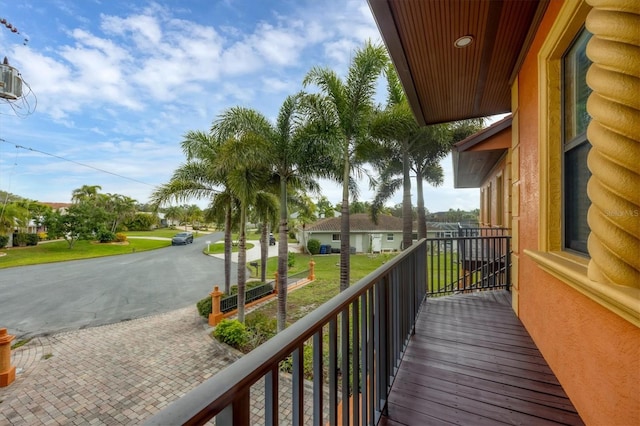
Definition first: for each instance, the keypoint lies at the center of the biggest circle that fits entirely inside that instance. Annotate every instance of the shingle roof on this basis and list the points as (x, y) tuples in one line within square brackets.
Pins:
[(56, 206), (358, 222)]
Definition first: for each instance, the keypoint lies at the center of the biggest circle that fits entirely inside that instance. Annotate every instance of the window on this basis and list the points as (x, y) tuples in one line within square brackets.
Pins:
[(389, 237), (335, 237), (575, 145), (414, 236)]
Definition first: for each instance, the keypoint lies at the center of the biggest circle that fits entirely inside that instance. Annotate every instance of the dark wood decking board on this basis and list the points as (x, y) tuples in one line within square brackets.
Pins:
[(471, 362)]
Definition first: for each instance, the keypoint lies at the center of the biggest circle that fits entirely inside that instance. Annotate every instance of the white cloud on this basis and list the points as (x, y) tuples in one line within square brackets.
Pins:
[(276, 85), (277, 46)]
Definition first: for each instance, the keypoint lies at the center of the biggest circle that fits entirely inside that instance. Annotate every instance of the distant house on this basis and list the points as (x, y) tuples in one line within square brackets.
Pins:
[(365, 235), (61, 207), (442, 229)]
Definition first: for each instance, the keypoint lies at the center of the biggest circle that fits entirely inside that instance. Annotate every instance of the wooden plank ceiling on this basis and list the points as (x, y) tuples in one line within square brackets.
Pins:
[(446, 83)]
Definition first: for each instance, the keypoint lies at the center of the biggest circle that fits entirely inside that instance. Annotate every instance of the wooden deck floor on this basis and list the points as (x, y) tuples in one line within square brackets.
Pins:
[(471, 362)]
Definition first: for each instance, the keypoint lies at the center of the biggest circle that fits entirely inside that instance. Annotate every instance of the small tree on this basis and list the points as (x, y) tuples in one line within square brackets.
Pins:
[(76, 224)]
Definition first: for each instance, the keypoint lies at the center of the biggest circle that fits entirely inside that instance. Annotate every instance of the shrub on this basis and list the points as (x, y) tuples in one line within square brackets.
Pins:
[(231, 332), (292, 235), (261, 328), (291, 259), (204, 307), (22, 239), (32, 239), (105, 236), (307, 356), (120, 237), (261, 324), (313, 246), (42, 236), (4, 240), (141, 222)]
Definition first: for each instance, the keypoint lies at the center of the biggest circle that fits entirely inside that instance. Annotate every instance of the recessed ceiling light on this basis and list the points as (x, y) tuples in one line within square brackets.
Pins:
[(463, 41)]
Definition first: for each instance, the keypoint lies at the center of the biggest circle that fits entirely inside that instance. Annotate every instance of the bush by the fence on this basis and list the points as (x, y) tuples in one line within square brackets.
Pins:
[(4, 240), (204, 307), (231, 332)]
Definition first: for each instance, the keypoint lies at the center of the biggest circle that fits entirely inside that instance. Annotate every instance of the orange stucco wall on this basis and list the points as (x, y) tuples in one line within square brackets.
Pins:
[(496, 210), (594, 353), (497, 141)]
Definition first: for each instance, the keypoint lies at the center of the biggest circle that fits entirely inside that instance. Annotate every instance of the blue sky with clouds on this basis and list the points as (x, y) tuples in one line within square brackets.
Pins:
[(115, 84)]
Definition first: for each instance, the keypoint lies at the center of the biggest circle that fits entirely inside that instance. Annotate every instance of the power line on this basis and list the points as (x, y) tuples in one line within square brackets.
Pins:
[(75, 162)]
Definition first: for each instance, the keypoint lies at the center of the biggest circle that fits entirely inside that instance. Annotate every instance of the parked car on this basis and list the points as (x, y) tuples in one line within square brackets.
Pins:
[(182, 238), (272, 240)]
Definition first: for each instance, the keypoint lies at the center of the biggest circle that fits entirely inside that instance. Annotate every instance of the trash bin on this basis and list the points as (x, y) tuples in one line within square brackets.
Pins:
[(352, 250)]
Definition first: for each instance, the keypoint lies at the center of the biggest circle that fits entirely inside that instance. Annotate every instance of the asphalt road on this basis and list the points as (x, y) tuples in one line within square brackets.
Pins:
[(55, 297)]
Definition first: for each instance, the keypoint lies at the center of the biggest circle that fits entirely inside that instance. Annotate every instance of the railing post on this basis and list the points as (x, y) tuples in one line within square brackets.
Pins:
[(216, 315), (507, 263), (238, 412), (7, 371), (312, 272)]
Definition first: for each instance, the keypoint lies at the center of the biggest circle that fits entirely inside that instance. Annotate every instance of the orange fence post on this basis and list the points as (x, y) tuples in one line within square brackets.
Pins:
[(312, 272), (7, 371), (216, 315)]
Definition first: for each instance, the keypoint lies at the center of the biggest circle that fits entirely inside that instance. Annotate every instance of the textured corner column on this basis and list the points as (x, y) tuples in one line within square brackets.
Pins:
[(614, 133), (7, 371), (216, 315)]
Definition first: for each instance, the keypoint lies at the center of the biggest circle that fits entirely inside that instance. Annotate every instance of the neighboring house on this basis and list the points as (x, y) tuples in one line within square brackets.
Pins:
[(365, 236), (61, 207), (482, 161), (576, 275)]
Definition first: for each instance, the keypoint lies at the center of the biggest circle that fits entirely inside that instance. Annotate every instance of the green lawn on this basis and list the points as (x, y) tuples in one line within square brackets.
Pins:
[(58, 251), (326, 284)]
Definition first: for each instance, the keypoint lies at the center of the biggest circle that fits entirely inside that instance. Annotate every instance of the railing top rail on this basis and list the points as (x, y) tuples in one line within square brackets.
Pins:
[(212, 396), (465, 237)]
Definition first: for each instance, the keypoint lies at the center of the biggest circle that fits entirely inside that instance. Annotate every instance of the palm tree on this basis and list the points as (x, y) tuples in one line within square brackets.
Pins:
[(224, 211), (347, 108), (400, 135), (201, 178), (12, 215), (85, 192), (173, 213), (118, 207), (434, 144), (266, 209), (288, 153), (240, 160)]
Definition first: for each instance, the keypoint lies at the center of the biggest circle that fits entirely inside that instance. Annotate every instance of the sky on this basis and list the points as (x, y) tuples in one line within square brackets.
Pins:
[(111, 86)]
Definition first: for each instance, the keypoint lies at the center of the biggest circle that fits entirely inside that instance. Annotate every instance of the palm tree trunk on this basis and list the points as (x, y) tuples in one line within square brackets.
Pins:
[(283, 249), (227, 249), (264, 251), (422, 217), (242, 263), (344, 225), (407, 214)]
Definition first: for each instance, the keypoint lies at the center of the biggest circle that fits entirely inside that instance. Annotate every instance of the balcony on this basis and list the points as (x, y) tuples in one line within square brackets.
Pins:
[(388, 351)]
